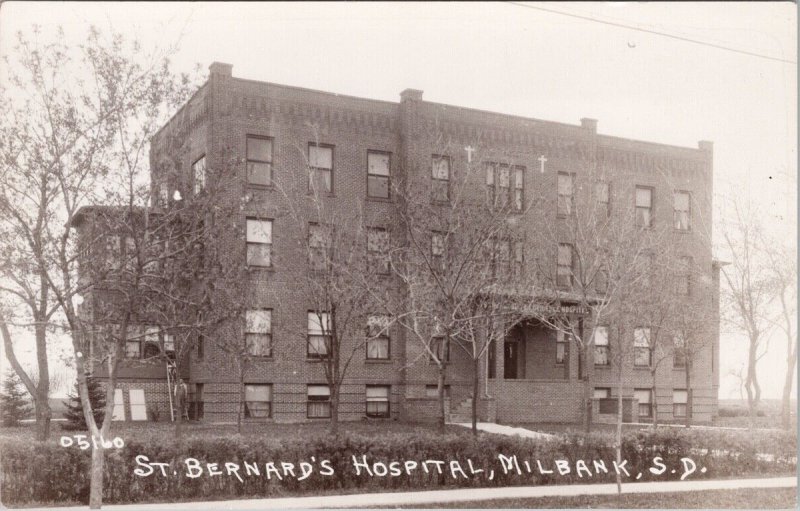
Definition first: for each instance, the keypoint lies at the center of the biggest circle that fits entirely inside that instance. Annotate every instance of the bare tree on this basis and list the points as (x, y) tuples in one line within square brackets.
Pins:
[(461, 262), (67, 144), (749, 291), (783, 270), (598, 244)]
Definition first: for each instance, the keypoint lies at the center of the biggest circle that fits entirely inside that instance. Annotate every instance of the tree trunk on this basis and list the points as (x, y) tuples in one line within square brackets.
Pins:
[(41, 399), (587, 390), (334, 430), (475, 386), (440, 390), (689, 398), (749, 384), (43, 414), (618, 434), (96, 484), (654, 401), (791, 359), (241, 400)]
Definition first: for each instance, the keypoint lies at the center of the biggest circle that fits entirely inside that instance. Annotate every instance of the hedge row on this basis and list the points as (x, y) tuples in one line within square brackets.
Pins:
[(44, 473)]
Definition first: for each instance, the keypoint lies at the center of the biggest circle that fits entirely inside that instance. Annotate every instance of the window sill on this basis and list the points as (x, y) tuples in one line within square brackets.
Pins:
[(387, 200), (378, 361), (259, 269), (317, 359), (642, 368), (602, 366), (256, 186), (310, 194)]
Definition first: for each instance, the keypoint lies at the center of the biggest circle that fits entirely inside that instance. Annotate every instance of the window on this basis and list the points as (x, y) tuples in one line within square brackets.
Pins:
[(201, 346), (319, 338), (499, 179), (601, 346), (377, 401), (131, 254), (440, 179), (683, 281), (433, 391), (437, 251), (602, 393), (259, 160), (502, 258), (113, 252), (133, 340), (259, 242), (152, 347), (678, 351), (378, 177), (133, 349), (602, 192), (320, 161), (644, 206), (519, 188), (644, 397), (564, 273), (440, 348), (601, 281), (199, 174), (169, 343), (566, 199), (606, 404), (163, 193), (320, 242), (257, 401), (680, 400), (258, 332), (562, 347), (319, 402), (682, 212), (519, 258), (378, 337), (378, 250), (641, 347)]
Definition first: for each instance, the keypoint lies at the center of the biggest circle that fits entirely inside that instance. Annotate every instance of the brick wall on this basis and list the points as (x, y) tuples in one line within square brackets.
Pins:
[(216, 122)]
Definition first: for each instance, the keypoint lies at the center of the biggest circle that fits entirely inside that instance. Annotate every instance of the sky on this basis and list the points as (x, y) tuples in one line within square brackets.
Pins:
[(522, 60)]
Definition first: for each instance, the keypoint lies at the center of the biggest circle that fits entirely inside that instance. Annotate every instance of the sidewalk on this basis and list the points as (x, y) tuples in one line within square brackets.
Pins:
[(491, 427), (377, 500)]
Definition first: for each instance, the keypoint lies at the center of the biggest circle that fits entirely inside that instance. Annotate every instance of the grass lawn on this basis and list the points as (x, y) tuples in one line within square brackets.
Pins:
[(165, 430), (756, 498)]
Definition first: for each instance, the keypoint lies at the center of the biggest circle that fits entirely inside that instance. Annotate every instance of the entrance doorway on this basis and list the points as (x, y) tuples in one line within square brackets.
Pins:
[(510, 359)]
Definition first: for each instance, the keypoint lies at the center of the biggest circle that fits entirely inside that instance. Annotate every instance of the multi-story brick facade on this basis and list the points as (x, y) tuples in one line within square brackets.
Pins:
[(280, 123)]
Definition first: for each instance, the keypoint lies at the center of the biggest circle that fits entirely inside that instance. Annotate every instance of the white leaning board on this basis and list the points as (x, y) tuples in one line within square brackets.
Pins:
[(138, 405), (119, 406)]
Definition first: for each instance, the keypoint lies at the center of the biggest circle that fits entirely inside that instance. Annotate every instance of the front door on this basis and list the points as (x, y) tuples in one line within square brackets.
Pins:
[(510, 354)]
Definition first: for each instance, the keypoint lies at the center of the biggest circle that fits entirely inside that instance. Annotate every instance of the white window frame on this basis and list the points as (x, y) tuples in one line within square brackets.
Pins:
[(259, 236)]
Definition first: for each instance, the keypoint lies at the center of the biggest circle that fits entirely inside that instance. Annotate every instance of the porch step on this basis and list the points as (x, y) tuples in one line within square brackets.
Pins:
[(462, 412)]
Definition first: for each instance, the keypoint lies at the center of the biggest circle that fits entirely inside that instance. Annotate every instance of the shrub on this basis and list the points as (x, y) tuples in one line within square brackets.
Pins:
[(49, 473), (14, 401)]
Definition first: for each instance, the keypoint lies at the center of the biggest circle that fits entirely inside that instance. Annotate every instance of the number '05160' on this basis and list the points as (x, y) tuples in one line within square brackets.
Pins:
[(84, 442)]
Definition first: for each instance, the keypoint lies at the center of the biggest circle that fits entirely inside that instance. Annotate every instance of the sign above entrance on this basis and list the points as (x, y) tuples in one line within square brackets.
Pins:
[(547, 308)]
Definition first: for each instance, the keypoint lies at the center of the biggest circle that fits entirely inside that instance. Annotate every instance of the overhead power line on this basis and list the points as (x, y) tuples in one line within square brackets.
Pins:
[(655, 32)]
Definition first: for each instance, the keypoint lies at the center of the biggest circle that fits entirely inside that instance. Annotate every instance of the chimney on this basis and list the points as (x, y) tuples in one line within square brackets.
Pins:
[(706, 146), (589, 124), (220, 69), (411, 95)]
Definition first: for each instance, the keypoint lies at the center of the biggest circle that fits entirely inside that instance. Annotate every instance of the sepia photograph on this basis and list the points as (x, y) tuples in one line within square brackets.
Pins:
[(481, 255)]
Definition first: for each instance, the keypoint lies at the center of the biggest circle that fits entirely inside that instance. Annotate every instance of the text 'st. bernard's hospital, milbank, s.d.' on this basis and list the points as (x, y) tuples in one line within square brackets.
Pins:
[(362, 466)]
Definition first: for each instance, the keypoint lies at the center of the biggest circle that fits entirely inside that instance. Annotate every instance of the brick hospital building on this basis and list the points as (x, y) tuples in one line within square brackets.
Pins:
[(358, 148)]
